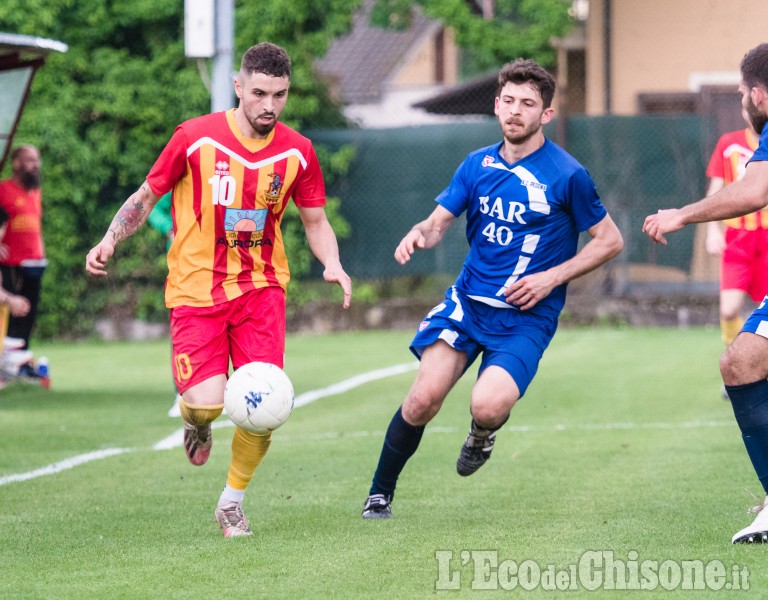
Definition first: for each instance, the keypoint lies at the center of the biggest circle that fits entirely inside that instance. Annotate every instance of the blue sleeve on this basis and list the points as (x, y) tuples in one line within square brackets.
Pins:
[(586, 207), (455, 197), (762, 149)]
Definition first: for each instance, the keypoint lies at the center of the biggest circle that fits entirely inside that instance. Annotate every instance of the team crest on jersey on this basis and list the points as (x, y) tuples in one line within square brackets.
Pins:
[(423, 325), (273, 193), (245, 228), (247, 221), (487, 160)]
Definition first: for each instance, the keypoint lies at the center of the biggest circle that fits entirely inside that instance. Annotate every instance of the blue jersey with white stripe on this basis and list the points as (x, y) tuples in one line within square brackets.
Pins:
[(522, 218)]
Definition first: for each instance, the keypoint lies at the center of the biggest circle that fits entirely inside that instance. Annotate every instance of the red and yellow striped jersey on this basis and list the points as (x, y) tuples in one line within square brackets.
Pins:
[(728, 161), (229, 196), (24, 237)]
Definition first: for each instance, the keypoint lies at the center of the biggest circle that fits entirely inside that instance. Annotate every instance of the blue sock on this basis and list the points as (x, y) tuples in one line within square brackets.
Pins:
[(750, 407), (400, 443)]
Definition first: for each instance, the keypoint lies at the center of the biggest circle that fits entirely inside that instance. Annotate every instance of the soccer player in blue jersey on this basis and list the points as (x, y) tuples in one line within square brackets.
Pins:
[(744, 364), (526, 200)]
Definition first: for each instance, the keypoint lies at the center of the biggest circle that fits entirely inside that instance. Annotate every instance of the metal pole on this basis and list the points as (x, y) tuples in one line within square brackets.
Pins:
[(607, 56), (222, 91)]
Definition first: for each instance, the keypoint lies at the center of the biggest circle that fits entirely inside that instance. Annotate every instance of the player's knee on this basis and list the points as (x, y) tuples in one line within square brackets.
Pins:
[(727, 367), (489, 415), (199, 415), (737, 369), (729, 313), (419, 407)]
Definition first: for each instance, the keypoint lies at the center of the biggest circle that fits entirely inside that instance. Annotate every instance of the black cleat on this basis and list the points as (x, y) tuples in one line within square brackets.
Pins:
[(377, 506), (759, 537), (474, 453)]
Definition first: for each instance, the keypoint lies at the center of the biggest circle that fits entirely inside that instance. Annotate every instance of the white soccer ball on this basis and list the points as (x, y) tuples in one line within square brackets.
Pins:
[(259, 397)]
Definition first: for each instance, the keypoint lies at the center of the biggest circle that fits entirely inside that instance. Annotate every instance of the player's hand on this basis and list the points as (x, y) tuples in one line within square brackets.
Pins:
[(526, 292), (412, 241), (715, 244), (97, 259), (664, 221), (334, 273), (18, 305)]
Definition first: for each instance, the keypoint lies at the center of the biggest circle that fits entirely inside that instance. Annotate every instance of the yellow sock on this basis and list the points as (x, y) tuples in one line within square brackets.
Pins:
[(247, 451), (199, 415), (730, 329)]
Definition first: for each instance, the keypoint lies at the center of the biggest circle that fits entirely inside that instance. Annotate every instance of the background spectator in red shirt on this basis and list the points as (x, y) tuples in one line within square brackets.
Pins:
[(22, 254)]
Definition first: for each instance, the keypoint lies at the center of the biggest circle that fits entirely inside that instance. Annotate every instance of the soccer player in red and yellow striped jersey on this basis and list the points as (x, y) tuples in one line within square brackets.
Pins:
[(741, 242), (232, 175)]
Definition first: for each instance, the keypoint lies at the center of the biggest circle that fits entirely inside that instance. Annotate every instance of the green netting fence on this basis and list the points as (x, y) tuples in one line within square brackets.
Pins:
[(640, 164)]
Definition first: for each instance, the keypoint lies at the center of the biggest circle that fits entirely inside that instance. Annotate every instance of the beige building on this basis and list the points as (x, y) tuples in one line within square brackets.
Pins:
[(664, 55), (378, 74), (634, 57)]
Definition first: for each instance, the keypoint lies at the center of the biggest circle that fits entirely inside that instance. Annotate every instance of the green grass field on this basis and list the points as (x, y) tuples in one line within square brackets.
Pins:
[(621, 445)]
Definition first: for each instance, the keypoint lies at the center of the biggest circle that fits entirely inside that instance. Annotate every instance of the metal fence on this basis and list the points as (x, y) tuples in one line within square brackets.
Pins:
[(639, 163)]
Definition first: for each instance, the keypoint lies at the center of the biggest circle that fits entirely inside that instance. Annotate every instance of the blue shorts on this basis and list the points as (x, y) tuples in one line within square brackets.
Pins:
[(758, 321), (507, 338)]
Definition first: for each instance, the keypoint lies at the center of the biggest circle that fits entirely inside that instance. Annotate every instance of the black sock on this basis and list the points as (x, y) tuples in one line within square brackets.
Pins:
[(400, 443), (750, 407), (483, 432)]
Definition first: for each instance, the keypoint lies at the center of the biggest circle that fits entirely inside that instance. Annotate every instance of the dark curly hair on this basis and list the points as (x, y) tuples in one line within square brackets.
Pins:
[(754, 67), (527, 71), (266, 58)]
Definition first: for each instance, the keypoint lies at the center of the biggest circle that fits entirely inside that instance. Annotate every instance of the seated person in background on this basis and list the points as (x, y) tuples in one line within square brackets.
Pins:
[(10, 304), (23, 261)]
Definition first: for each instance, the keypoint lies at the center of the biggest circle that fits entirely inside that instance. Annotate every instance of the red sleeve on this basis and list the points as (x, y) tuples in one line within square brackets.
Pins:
[(716, 166), (171, 165), (5, 194), (310, 188)]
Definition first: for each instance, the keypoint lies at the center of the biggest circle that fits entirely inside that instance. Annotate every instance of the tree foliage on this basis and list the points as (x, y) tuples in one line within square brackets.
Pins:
[(519, 28), (102, 112)]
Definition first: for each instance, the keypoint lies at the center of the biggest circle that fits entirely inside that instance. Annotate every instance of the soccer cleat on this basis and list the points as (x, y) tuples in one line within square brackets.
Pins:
[(474, 453), (377, 506), (757, 532), (231, 520), (197, 443)]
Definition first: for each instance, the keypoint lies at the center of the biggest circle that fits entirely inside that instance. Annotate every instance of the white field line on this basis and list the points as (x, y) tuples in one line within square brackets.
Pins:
[(176, 438), (710, 424), (64, 465), (353, 382)]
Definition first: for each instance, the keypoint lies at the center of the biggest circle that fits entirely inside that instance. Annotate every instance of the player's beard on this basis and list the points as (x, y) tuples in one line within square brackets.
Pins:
[(30, 180), (261, 128), (757, 118), (526, 134)]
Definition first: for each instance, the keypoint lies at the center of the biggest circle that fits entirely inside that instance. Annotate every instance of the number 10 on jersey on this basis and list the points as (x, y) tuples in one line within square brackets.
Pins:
[(223, 189)]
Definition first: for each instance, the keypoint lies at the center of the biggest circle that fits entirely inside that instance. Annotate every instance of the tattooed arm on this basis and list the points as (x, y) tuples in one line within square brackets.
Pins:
[(126, 222)]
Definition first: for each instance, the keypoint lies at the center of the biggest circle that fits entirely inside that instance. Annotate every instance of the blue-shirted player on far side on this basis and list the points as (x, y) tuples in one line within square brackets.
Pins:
[(526, 200), (744, 364)]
